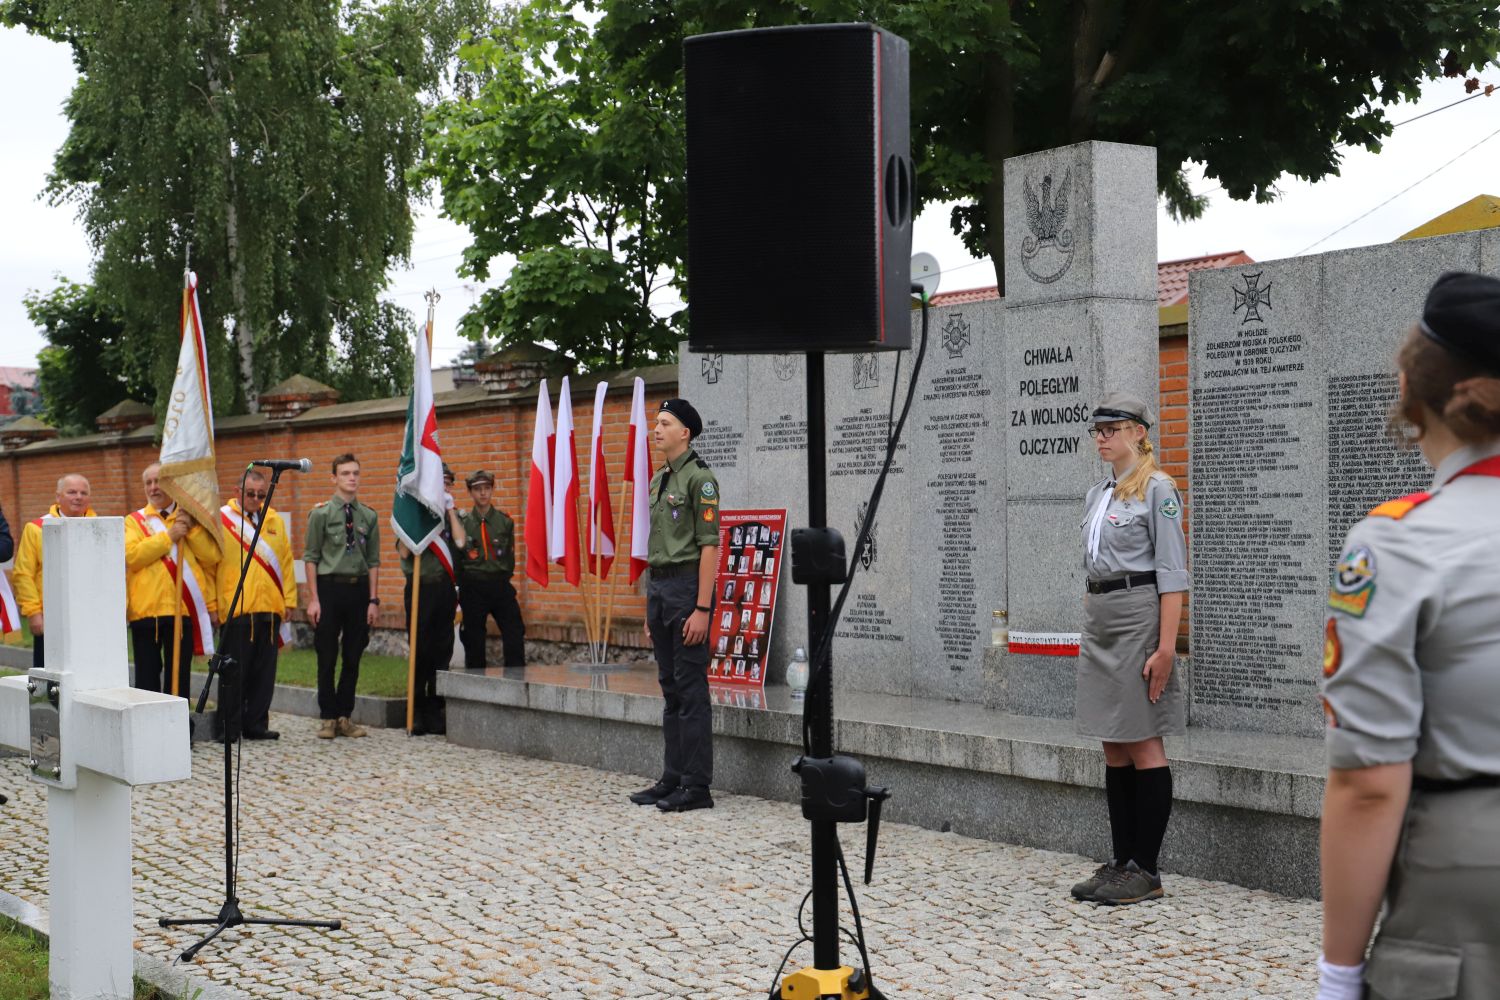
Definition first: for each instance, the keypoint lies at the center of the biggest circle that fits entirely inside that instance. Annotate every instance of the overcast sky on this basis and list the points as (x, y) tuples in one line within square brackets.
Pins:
[(42, 241)]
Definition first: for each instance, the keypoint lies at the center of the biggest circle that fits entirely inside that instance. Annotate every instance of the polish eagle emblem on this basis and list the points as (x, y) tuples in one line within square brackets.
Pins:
[(1047, 218)]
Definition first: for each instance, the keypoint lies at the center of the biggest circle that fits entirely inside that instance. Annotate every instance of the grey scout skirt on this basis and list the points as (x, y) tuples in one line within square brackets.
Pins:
[(1121, 629), (1440, 938)]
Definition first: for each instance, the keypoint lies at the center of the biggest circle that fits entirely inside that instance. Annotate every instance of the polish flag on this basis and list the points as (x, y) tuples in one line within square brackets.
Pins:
[(563, 546), (539, 493), (601, 526), (638, 474)]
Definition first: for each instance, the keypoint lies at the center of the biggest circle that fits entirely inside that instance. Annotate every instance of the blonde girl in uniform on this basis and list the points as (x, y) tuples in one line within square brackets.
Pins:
[(1411, 667), (1135, 558)]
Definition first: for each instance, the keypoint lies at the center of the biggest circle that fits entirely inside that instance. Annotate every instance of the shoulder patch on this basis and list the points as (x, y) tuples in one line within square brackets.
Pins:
[(1399, 508), (708, 491), (1353, 582), (1169, 507)]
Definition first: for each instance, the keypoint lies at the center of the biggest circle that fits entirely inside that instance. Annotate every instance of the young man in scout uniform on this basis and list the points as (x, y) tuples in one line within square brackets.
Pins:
[(684, 555), (485, 589), (438, 574), (342, 553), (72, 501), (253, 635), (161, 543)]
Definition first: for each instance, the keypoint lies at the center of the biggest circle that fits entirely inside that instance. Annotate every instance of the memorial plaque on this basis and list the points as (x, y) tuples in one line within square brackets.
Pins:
[(718, 386), (957, 431), (871, 647)]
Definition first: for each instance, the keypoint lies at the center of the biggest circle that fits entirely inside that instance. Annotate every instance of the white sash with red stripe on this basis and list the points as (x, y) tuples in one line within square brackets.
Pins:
[(203, 636), (234, 523), (444, 555), (10, 614)]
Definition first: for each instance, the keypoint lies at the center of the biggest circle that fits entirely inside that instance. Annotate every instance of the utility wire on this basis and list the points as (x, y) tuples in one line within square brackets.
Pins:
[(1398, 194)]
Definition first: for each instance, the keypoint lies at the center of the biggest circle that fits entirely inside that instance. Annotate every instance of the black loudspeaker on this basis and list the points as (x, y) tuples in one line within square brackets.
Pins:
[(800, 189)]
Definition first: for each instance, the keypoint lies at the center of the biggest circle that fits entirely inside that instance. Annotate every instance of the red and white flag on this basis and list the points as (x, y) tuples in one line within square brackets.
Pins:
[(601, 526), (563, 526), (10, 614), (539, 492), (638, 474), (187, 434)]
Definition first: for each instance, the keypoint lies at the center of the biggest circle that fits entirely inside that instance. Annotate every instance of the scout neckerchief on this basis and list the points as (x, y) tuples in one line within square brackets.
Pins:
[(234, 522), (1398, 509), (668, 471), (203, 639)]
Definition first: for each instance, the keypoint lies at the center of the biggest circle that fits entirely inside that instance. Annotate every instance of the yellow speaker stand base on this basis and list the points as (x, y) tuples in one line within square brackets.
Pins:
[(816, 984)]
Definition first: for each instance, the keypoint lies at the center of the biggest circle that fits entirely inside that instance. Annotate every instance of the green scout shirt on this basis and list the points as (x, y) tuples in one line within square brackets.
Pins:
[(329, 542), (432, 567), (498, 561), (684, 511)]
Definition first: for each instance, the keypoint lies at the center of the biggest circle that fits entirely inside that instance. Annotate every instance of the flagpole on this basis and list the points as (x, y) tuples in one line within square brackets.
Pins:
[(597, 651), (609, 616), (187, 286), (411, 652), (588, 605)]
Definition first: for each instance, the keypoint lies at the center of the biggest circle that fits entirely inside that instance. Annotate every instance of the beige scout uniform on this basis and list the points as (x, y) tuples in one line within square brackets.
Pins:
[(1412, 673)]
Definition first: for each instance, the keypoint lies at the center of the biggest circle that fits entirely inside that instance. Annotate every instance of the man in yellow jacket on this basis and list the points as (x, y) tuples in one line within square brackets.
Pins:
[(156, 537), (72, 501), (253, 626)]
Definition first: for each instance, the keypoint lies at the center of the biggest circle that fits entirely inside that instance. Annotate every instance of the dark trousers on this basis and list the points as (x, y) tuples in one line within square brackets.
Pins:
[(37, 653), (344, 608), (682, 670), (251, 641), (483, 598), (434, 646), (151, 642)]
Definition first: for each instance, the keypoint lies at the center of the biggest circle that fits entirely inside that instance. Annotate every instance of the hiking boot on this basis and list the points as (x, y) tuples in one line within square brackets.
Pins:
[(348, 728), (328, 730), (1130, 884), (651, 796), (1085, 890), (684, 799)]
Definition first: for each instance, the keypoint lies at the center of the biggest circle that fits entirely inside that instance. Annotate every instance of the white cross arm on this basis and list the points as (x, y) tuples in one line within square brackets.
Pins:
[(133, 736)]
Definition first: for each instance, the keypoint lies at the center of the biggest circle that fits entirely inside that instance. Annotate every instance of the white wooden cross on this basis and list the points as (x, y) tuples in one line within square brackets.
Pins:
[(89, 737)]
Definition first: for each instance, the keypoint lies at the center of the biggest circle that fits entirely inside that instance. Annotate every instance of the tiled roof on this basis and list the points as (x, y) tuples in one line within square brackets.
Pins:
[(23, 377), (1171, 280)]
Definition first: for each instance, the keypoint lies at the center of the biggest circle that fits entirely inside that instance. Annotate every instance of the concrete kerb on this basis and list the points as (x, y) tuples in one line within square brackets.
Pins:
[(171, 981)]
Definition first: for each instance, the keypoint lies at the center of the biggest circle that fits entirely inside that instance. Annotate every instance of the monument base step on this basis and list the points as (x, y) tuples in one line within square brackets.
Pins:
[(1246, 809), (380, 713)]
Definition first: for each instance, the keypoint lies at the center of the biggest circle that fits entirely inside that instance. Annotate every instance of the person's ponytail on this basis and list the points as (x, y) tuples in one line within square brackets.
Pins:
[(1138, 479)]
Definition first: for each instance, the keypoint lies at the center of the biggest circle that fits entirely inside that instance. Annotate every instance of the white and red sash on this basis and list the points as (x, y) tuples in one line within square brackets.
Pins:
[(439, 547), (234, 523), (10, 613), (203, 636)]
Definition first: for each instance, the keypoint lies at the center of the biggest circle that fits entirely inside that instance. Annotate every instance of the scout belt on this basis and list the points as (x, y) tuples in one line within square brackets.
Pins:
[(1422, 784), (676, 569), (1124, 583), (350, 578)]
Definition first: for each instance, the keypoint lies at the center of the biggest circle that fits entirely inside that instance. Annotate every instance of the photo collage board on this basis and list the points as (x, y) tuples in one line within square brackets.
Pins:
[(739, 638)]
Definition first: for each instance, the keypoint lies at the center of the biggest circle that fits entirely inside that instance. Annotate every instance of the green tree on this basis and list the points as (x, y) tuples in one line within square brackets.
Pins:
[(272, 137), (569, 160), (1251, 91), (88, 364)]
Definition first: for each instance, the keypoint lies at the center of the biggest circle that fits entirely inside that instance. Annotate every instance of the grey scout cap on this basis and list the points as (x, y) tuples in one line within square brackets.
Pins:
[(1122, 406)]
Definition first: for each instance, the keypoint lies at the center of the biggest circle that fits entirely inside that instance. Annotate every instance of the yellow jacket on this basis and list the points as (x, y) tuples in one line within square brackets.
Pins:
[(27, 573), (261, 594), (148, 583)]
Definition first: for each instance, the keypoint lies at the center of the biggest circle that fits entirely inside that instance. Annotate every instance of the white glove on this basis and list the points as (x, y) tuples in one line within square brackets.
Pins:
[(449, 498), (1340, 982)]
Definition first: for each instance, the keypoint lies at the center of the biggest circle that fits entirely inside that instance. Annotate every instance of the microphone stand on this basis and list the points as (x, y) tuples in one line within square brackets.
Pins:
[(231, 708)]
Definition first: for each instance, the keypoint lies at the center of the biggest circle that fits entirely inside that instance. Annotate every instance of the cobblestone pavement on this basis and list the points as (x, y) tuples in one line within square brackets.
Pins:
[(466, 873)]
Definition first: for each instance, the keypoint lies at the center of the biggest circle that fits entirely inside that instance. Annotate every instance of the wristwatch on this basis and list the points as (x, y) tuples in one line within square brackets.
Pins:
[(375, 601), (699, 607)]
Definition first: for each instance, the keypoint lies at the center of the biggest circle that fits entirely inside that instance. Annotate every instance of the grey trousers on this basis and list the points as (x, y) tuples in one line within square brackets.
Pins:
[(682, 670), (1440, 937)]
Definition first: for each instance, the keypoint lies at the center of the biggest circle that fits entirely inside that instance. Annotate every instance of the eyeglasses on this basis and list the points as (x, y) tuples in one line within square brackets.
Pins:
[(1103, 433), (252, 495)]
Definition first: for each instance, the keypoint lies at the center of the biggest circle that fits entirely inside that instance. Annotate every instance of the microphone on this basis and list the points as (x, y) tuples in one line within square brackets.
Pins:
[(285, 464)]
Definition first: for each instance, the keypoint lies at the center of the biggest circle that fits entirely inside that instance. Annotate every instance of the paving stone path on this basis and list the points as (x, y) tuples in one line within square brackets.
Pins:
[(472, 874)]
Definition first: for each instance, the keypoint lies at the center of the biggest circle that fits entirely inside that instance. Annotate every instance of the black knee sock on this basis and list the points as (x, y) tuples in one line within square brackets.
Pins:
[(1153, 797), (1119, 792)]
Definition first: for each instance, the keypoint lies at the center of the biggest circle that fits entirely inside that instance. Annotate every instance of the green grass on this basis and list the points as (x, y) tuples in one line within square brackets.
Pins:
[(379, 676), (23, 968)]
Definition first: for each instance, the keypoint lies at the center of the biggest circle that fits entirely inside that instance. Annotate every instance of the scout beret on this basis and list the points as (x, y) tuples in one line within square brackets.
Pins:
[(1122, 406), (1462, 313), (683, 411), (482, 476)]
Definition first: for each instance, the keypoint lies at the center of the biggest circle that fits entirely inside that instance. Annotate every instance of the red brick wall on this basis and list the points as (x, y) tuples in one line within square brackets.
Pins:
[(494, 434), (1173, 433)]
